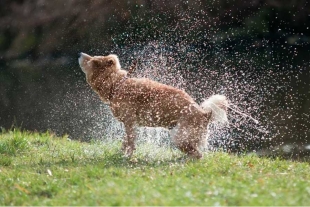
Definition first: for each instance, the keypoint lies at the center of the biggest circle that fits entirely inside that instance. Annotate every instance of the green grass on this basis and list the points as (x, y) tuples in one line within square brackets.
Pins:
[(42, 169)]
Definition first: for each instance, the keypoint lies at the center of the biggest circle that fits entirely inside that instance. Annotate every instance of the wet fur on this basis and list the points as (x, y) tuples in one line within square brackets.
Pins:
[(143, 102)]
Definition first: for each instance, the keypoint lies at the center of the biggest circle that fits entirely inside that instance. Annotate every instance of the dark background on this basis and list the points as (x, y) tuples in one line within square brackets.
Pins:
[(254, 51)]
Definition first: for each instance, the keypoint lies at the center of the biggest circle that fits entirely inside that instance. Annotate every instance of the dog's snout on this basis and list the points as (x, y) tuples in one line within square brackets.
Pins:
[(83, 58), (84, 55)]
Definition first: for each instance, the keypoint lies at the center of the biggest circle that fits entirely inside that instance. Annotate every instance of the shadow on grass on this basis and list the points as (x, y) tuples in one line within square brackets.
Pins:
[(110, 159)]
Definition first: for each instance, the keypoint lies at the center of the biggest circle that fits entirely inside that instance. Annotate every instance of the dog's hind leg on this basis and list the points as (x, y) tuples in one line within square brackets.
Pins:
[(128, 145), (189, 149), (191, 134), (187, 139)]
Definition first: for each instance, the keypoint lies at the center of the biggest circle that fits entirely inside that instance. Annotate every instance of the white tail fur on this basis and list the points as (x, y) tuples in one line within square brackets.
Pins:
[(217, 104)]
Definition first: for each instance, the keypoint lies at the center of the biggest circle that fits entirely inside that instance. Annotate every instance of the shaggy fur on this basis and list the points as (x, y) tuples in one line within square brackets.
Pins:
[(143, 102)]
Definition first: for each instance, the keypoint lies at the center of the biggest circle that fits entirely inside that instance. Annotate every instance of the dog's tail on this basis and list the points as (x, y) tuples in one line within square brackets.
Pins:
[(217, 105)]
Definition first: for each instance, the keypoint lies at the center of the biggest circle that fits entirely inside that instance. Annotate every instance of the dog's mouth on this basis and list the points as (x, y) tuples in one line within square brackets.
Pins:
[(83, 59)]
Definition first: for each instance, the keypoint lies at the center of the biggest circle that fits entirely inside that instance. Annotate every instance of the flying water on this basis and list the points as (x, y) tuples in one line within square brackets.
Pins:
[(255, 79), (161, 62)]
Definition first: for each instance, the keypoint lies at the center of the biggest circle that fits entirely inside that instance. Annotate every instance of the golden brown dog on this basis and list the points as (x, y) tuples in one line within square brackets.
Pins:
[(143, 102)]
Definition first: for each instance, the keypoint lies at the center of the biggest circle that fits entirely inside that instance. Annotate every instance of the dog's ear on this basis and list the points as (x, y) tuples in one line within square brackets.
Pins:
[(110, 62)]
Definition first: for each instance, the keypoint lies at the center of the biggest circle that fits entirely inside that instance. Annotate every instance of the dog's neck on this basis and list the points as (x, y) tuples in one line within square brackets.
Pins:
[(104, 86)]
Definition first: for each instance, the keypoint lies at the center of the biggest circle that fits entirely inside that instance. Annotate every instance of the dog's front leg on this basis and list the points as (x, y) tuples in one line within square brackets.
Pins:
[(129, 140)]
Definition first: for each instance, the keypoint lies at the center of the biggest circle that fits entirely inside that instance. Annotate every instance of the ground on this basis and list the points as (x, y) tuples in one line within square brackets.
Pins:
[(42, 169)]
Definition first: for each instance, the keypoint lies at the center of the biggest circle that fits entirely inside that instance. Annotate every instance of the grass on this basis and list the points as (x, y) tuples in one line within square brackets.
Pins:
[(42, 169)]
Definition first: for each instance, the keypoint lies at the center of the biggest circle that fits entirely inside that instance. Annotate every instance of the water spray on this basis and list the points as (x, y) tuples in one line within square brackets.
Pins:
[(243, 114)]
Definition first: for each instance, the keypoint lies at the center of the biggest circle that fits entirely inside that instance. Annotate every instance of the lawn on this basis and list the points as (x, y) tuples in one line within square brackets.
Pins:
[(42, 169)]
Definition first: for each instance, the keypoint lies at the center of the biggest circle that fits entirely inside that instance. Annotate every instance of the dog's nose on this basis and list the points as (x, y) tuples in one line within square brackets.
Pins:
[(84, 55)]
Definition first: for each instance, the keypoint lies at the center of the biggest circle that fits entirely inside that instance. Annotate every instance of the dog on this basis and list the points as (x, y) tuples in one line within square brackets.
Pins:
[(143, 102)]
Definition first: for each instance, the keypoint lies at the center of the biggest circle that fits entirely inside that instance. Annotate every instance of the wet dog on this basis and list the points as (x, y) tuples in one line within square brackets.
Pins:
[(143, 102)]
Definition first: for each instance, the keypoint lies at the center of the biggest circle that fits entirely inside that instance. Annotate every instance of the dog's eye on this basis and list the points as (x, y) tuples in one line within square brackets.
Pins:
[(95, 63)]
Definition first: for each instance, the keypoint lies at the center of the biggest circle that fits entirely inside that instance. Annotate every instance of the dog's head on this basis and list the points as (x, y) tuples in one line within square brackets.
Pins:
[(98, 66)]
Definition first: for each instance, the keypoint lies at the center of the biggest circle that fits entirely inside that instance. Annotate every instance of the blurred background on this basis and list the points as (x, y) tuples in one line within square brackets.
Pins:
[(256, 52)]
